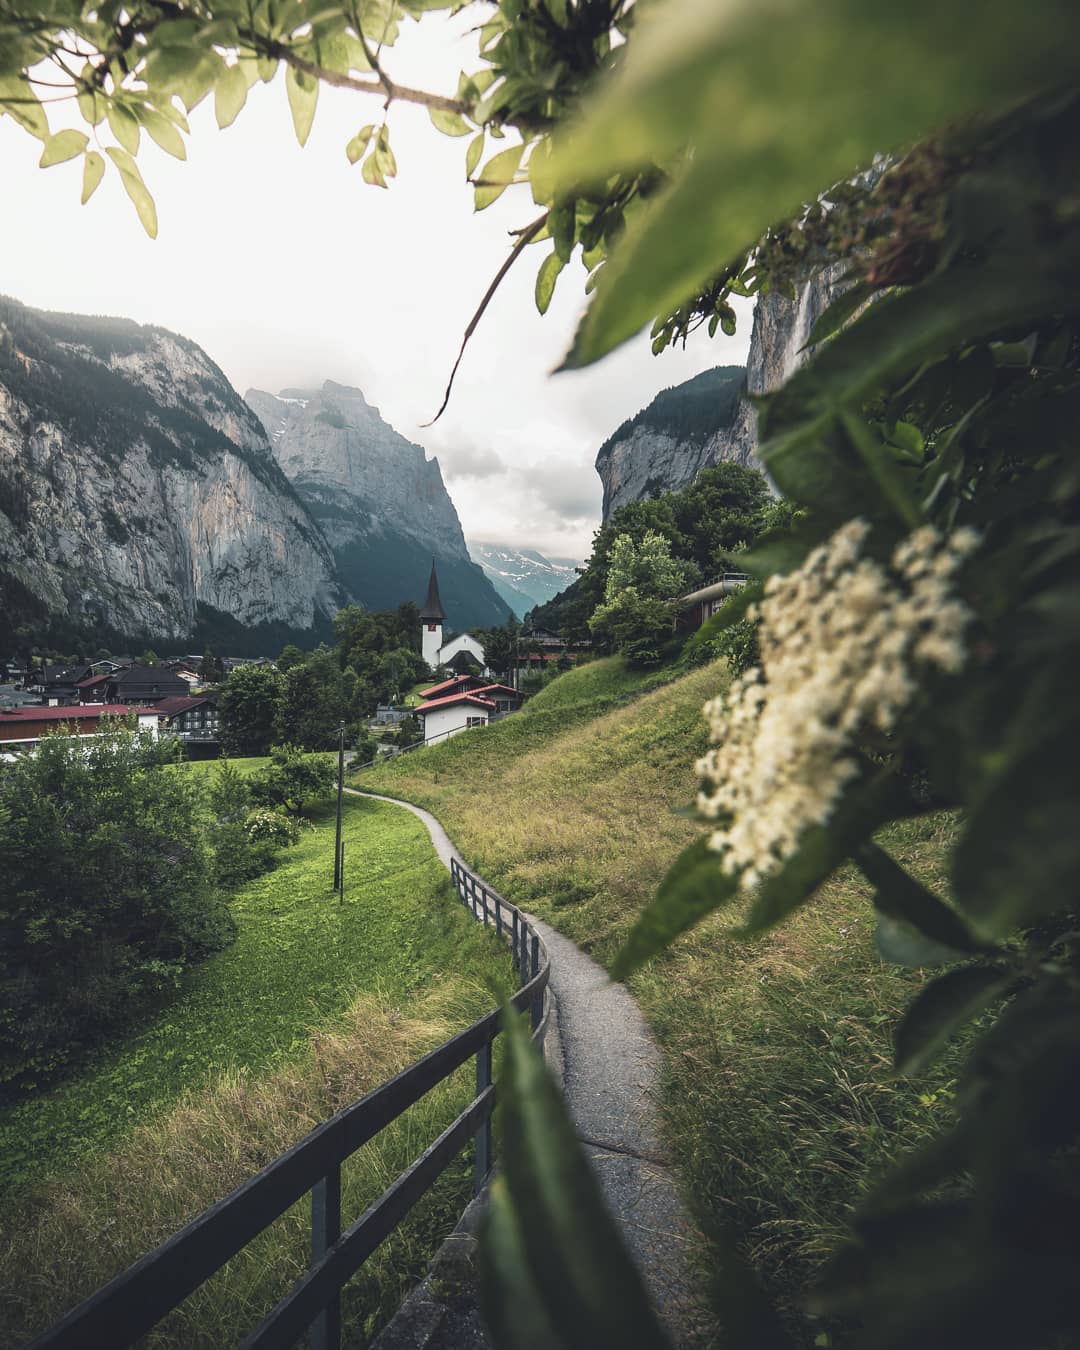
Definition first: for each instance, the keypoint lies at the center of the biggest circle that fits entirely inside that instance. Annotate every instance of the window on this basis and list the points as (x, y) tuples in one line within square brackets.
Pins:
[(476, 722)]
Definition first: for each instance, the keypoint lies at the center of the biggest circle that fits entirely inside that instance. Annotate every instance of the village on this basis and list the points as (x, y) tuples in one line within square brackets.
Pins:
[(181, 695)]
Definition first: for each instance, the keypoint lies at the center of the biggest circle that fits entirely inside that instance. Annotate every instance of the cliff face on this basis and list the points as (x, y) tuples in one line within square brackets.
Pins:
[(379, 500), (646, 458), (137, 490)]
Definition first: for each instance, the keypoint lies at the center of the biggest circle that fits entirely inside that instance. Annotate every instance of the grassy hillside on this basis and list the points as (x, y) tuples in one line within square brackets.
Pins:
[(315, 1003), (779, 1102)]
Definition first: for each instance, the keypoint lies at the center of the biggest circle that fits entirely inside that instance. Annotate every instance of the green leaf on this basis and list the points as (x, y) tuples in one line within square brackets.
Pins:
[(735, 83), (163, 132), (63, 146), (135, 188), (866, 805), (473, 153), (449, 123), (93, 172), (230, 95), (570, 1249), (303, 94), (695, 885), (1019, 855), (899, 897), (358, 145), (902, 945), (19, 101), (124, 127), (838, 313), (545, 280), (496, 175), (513, 1312), (562, 223), (940, 1010)]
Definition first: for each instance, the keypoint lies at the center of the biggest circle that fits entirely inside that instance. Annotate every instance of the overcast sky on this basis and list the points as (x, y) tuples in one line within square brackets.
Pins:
[(289, 270)]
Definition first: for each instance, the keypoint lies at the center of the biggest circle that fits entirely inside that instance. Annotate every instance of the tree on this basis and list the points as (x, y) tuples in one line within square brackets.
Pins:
[(637, 614), (149, 658), (290, 656), (211, 667), (251, 705), (108, 892), (293, 778)]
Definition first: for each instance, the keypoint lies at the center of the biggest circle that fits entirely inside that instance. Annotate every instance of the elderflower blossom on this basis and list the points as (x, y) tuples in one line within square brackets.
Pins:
[(842, 640)]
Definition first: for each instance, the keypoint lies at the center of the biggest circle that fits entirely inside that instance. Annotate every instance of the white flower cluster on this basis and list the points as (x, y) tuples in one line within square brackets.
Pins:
[(842, 641)]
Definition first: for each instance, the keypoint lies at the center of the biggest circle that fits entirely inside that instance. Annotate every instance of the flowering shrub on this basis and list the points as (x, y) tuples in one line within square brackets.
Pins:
[(275, 826)]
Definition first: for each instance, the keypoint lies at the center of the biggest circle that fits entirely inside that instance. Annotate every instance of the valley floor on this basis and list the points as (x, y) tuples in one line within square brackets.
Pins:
[(315, 1004), (779, 1102)]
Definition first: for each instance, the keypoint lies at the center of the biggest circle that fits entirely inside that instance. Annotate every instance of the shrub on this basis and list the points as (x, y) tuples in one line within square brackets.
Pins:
[(292, 778), (264, 824)]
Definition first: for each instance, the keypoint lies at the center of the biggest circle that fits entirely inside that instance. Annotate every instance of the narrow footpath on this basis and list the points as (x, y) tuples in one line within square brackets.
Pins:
[(609, 1067)]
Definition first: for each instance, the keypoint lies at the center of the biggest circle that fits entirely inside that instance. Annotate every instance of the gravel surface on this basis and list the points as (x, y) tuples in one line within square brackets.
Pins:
[(609, 1066)]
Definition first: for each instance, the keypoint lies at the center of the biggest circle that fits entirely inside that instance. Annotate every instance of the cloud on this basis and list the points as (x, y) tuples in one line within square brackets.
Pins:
[(470, 461)]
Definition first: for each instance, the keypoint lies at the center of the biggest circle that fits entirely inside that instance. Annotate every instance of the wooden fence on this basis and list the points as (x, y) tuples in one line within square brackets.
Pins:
[(130, 1305)]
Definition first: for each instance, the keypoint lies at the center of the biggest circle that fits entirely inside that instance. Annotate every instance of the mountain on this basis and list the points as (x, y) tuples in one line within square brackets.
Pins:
[(380, 502), (139, 495), (523, 576), (668, 443), (709, 419)]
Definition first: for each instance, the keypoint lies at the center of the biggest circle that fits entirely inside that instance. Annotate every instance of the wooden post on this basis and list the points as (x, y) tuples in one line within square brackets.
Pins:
[(515, 945), (340, 793), (538, 999), (483, 1134), (523, 963), (325, 1231)]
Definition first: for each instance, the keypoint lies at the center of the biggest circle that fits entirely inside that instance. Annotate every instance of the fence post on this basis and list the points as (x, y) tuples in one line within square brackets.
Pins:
[(483, 1134), (325, 1231), (484, 902), (523, 963), (498, 916), (515, 947), (538, 999)]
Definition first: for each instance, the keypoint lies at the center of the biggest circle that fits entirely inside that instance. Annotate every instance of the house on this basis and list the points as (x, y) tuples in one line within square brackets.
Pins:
[(455, 705), (463, 653), (22, 729), (132, 684), (700, 605), (56, 685), (192, 718)]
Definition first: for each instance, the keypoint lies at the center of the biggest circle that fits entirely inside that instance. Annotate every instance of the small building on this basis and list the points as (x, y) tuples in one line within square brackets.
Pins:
[(57, 686), (463, 653), (445, 717), (132, 684), (192, 718), (700, 605), (459, 684), (22, 729)]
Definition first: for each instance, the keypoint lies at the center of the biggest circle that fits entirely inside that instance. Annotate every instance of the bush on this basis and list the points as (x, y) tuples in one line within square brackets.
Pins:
[(274, 827), (292, 778), (108, 892)]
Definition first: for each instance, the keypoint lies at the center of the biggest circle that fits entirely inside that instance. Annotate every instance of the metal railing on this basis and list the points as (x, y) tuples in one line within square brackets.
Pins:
[(128, 1306)]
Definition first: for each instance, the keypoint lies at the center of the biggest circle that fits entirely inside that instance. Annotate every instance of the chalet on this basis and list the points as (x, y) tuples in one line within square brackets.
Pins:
[(133, 684), (23, 728), (462, 653), (455, 705), (700, 605), (55, 685), (192, 718)]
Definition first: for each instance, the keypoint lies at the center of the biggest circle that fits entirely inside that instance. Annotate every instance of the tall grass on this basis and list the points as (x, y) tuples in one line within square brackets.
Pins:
[(779, 1103)]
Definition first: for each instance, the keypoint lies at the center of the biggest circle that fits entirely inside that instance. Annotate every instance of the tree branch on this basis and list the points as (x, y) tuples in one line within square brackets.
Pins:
[(527, 235), (383, 85)]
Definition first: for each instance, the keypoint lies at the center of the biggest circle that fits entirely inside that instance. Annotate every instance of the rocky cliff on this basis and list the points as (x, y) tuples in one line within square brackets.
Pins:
[(379, 500), (645, 455), (138, 493)]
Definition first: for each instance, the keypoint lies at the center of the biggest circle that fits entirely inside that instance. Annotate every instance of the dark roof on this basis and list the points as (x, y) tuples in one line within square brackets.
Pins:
[(450, 684), (75, 714), (497, 689), (456, 698), (94, 679), (171, 707), (433, 609)]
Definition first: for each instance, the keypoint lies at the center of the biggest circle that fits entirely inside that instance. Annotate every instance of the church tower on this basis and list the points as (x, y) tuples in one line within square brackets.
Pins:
[(431, 622)]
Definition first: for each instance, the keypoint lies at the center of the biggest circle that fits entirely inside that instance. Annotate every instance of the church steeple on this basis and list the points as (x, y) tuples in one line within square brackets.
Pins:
[(433, 611)]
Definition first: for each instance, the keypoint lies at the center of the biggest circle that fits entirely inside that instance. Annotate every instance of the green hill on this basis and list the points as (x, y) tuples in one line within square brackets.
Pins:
[(779, 1102)]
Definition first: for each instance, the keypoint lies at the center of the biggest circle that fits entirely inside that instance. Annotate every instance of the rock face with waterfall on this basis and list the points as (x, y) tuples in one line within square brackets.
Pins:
[(379, 500), (649, 453), (139, 495)]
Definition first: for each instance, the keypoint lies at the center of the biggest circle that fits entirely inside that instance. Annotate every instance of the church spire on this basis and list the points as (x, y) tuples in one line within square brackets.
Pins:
[(433, 610)]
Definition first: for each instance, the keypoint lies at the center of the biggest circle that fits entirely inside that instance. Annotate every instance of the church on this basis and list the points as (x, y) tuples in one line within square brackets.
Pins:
[(463, 654)]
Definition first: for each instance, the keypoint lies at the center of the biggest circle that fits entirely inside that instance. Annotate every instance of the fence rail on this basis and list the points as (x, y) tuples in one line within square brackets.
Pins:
[(136, 1300)]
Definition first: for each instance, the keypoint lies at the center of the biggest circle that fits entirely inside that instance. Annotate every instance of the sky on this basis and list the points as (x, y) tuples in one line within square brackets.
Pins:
[(289, 270)]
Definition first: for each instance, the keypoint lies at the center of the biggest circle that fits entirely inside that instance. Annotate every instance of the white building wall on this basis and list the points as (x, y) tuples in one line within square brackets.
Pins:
[(430, 642), (446, 722)]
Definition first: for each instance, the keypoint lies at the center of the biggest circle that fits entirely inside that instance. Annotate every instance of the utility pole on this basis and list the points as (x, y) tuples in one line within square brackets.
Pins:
[(340, 792)]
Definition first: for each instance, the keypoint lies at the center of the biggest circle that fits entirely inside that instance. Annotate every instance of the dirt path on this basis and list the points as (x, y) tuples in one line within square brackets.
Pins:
[(609, 1066)]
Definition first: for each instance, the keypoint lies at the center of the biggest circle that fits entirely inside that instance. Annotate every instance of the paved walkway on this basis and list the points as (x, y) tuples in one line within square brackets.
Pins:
[(609, 1065)]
